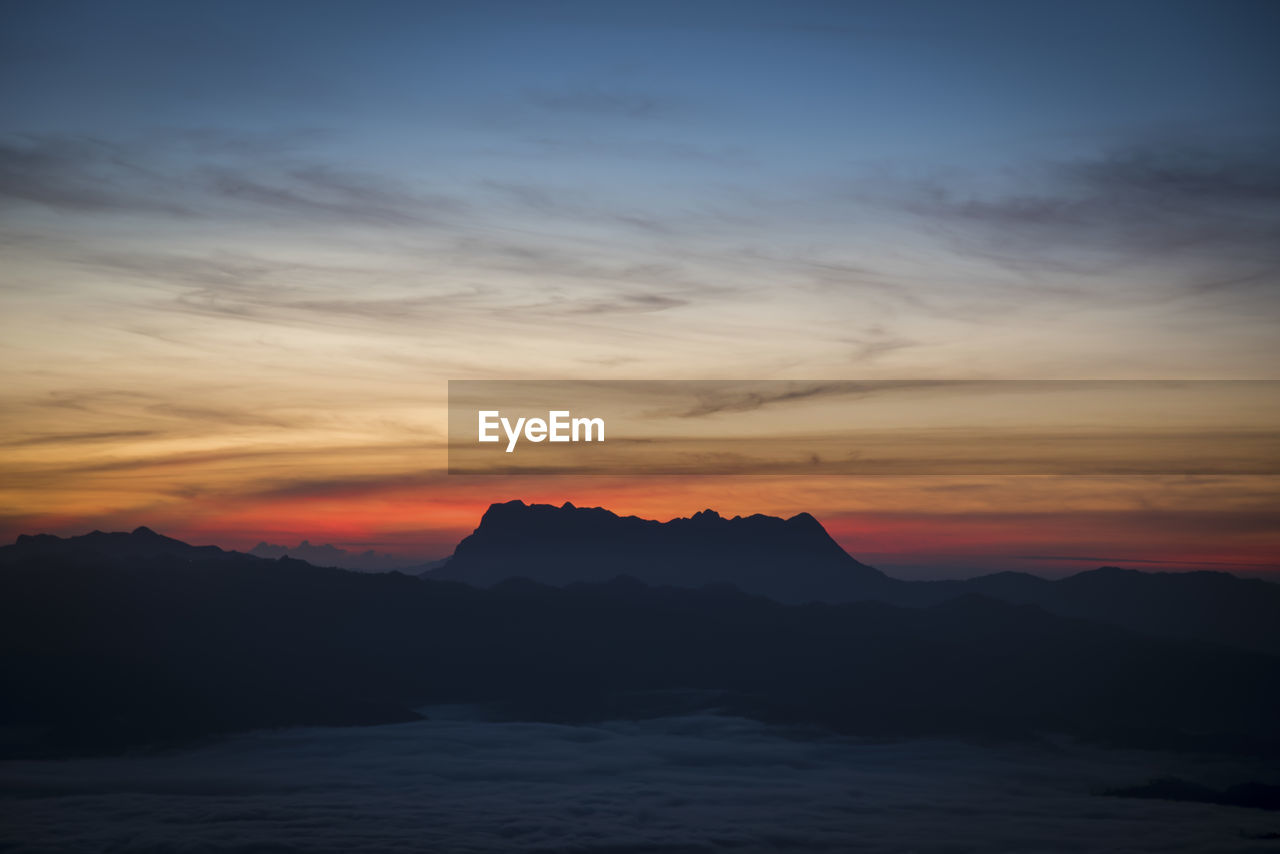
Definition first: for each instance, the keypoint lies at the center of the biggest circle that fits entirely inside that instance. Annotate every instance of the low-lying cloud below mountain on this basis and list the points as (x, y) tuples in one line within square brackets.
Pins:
[(694, 783)]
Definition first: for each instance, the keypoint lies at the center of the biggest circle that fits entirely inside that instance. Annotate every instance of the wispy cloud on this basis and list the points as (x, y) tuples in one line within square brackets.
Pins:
[(323, 192), (1215, 207), (82, 174), (742, 397), (78, 438), (207, 176)]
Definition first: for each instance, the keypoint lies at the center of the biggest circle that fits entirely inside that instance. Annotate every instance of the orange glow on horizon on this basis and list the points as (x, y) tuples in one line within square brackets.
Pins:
[(1047, 525)]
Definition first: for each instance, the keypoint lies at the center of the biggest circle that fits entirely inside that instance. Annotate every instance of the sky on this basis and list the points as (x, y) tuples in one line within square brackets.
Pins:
[(246, 245)]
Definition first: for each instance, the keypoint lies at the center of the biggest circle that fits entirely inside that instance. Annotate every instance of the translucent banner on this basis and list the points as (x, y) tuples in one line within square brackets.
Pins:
[(1087, 427)]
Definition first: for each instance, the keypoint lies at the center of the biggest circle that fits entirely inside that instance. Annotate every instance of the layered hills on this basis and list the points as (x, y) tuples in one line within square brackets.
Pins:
[(796, 561), (109, 642)]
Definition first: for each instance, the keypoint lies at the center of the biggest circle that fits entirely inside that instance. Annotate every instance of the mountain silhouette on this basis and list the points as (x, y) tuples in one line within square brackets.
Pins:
[(796, 561), (142, 543), (790, 560), (327, 554)]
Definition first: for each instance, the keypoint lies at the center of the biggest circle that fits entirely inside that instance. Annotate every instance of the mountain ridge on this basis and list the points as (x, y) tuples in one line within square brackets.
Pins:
[(564, 545), (103, 653), (803, 563), (109, 641)]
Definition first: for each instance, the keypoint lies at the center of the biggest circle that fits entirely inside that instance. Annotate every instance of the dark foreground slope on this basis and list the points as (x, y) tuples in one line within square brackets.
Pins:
[(796, 561), (1210, 606), (112, 641)]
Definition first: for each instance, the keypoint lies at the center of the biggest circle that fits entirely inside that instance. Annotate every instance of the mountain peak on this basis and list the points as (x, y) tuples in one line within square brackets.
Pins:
[(806, 520), (788, 559)]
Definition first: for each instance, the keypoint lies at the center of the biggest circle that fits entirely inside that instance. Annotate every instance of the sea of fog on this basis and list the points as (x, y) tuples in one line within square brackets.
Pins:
[(459, 783)]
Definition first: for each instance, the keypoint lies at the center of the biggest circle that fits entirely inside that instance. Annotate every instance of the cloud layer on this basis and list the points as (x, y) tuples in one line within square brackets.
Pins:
[(701, 783)]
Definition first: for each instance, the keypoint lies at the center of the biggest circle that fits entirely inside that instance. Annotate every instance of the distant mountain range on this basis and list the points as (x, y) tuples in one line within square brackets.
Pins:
[(796, 561), (111, 641), (326, 554)]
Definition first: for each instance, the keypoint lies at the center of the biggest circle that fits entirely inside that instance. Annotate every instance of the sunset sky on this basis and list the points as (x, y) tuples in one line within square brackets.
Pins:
[(245, 246)]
